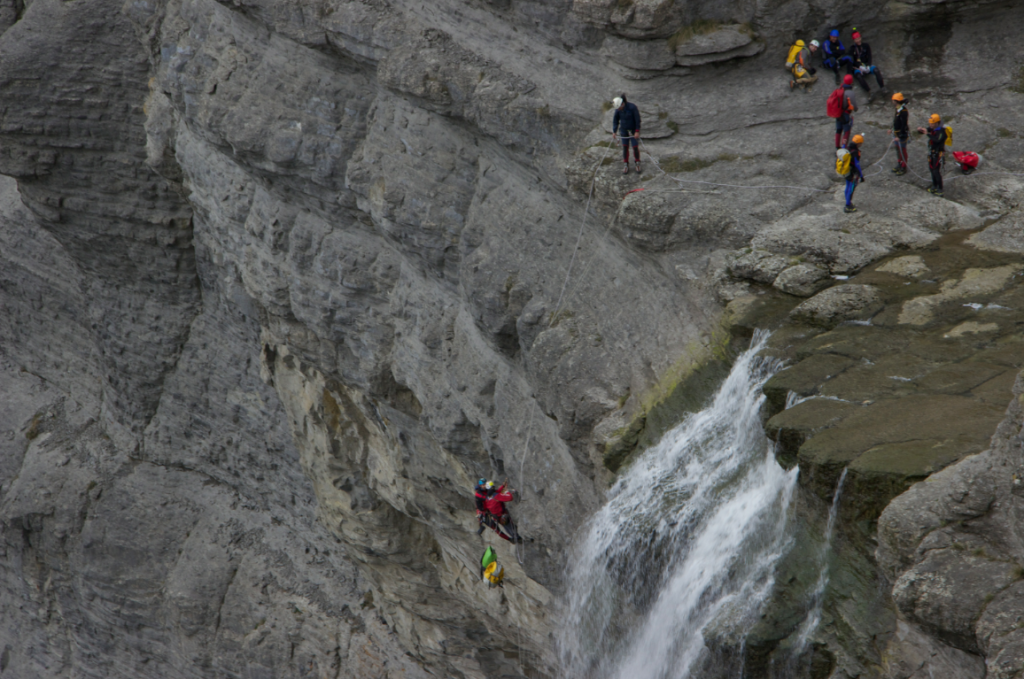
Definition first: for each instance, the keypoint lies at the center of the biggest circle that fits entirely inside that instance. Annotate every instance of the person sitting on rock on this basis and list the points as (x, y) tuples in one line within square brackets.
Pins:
[(495, 505), (860, 63), (803, 73), (627, 124), (855, 171), (848, 105), (901, 131), (936, 150), (833, 54)]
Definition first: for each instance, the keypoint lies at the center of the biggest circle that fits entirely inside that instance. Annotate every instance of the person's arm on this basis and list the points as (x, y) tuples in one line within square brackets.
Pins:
[(615, 122), (856, 165), (637, 133)]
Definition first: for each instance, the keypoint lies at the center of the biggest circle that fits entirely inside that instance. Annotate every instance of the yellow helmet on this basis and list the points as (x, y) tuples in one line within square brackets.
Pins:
[(857, 139), (898, 97), (935, 118)]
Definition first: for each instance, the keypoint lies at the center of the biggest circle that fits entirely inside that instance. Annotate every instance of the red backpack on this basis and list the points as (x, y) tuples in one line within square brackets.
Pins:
[(834, 105)]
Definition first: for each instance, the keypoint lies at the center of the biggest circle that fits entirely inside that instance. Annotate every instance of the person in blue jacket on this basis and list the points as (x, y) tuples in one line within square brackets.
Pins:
[(626, 123), (833, 54), (855, 171)]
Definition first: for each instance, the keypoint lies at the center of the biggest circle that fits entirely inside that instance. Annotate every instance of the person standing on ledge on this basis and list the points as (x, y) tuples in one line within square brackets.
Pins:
[(901, 131), (627, 124), (936, 150)]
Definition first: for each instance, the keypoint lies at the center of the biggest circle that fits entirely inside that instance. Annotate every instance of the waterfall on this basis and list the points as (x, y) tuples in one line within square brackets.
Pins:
[(818, 595), (687, 540)]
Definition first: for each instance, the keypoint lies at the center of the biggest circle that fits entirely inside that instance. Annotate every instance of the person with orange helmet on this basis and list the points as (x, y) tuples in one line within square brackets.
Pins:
[(856, 173), (936, 150), (901, 131)]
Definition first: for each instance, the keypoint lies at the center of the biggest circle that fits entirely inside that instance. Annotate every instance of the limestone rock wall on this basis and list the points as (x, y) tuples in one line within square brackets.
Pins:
[(282, 279)]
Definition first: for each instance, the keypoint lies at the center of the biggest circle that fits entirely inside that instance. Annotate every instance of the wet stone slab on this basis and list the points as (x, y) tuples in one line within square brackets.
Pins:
[(895, 401)]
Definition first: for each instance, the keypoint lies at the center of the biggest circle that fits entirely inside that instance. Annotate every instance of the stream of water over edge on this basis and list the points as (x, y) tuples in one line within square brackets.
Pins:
[(688, 540)]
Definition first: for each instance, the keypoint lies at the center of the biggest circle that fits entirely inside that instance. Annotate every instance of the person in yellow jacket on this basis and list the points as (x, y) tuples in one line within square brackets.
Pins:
[(799, 63)]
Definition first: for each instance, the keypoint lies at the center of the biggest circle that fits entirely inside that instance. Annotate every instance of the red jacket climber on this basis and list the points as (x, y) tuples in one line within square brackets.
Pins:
[(496, 499)]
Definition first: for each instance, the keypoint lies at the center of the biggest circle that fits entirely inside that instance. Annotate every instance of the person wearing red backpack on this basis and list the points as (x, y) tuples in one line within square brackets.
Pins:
[(847, 104)]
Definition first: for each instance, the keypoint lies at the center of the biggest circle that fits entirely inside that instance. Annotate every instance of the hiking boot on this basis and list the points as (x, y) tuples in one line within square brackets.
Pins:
[(900, 172), (792, 84), (932, 189), (625, 170), (938, 192), (849, 208), (638, 170), (896, 170)]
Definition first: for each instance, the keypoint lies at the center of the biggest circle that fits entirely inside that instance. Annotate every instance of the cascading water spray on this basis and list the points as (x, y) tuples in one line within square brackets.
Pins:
[(689, 536)]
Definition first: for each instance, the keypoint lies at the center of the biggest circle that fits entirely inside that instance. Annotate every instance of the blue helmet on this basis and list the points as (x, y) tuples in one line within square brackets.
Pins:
[(481, 483), (834, 33)]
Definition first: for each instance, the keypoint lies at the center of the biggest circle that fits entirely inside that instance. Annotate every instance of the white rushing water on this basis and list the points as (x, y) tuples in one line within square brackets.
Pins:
[(688, 539), (818, 595)]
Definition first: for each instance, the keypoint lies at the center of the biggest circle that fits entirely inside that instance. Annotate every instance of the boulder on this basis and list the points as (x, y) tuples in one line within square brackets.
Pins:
[(759, 265), (803, 280), (841, 303)]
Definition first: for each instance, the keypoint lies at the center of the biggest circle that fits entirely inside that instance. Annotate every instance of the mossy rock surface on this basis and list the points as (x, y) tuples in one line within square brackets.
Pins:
[(804, 378)]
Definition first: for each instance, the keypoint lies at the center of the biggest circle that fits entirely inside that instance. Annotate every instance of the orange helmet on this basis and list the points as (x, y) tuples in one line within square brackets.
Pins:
[(858, 139), (898, 97), (935, 118)]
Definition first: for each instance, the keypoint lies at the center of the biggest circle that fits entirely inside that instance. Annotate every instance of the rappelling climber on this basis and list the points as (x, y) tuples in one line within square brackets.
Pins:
[(626, 123), (833, 54), (803, 73), (479, 498), (860, 63), (495, 505), (855, 172), (936, 150), (901, 131), (847, 107)]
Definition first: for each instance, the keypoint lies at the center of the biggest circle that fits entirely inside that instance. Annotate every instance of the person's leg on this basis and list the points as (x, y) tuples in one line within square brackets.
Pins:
[(636, 149), (625, 149), (861, 81), (901, 153), (878, 77), (839, 131), (850, 185), (847, 128)]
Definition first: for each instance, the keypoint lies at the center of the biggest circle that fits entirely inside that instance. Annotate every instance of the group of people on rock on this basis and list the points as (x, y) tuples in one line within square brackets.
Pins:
[(857, 61), (834, 56)]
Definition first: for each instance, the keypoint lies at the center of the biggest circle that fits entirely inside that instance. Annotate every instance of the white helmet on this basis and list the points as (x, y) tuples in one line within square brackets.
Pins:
[(815, 43)]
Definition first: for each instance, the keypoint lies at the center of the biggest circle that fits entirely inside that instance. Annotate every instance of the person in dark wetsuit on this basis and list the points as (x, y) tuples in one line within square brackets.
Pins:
[(626, 123), (936, 150), (901, 131), (860, 63), (833, 54)]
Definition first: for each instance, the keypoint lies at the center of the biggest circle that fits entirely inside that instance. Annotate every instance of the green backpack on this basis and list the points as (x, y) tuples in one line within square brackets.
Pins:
[(487, 559)]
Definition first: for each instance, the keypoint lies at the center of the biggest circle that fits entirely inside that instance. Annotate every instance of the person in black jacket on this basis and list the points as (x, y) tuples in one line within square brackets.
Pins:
[(936, 150), (626, 123), (900, 130), (860, 63)]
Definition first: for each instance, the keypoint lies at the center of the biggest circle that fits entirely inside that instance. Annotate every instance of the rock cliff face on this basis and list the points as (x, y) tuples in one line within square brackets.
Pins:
[(280, 280)]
